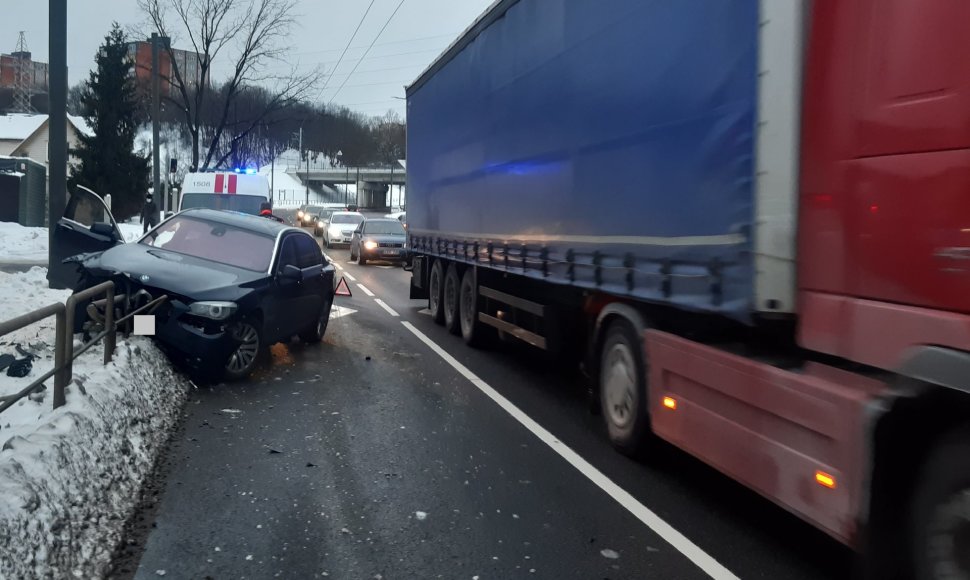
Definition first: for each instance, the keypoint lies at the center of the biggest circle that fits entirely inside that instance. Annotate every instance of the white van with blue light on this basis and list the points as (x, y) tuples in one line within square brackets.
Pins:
[(232, 191)]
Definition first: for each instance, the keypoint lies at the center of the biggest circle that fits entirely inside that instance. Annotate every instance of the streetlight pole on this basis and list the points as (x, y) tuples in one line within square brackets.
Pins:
[(57, 141)]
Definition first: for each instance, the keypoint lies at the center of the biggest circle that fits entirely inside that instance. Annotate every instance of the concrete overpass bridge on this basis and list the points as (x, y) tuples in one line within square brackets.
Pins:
[(376, 187)]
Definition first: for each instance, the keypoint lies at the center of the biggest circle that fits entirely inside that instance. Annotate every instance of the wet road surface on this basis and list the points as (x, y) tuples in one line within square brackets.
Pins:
[(372, 456)]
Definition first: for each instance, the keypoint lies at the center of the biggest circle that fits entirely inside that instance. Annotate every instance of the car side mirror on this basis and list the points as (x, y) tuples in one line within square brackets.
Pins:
[(104, 229), (291, 272)]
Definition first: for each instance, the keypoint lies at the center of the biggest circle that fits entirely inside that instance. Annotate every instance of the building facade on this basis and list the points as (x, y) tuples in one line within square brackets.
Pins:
[(187, 62), (37, 71)]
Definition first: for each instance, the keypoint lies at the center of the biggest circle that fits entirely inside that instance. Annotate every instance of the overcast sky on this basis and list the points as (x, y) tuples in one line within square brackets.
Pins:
[(416, 35)]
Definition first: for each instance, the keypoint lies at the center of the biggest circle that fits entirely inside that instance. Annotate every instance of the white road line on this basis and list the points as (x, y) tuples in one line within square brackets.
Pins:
[(327, 256), (386, 307), (338, 266), (365, 290), (350, 277), (695, 554)]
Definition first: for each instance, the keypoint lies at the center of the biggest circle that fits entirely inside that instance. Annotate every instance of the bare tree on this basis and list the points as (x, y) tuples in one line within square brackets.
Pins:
[(390, 134), (245, 33)]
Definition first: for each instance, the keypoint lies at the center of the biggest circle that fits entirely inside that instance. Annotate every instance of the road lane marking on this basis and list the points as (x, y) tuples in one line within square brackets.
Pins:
[(340, 311), (386, 307), (338, 266), (692, 551), (350, 277), (365, 290)]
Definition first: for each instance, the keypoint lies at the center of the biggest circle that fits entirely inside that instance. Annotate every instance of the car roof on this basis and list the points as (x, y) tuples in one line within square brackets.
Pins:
[(244, 221), (348, 213), (382, 219)]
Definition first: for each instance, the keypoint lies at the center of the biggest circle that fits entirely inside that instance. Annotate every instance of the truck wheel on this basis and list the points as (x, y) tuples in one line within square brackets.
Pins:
[(452, 288), (941, 511), (436, 281), (474, 332), (622, 387)]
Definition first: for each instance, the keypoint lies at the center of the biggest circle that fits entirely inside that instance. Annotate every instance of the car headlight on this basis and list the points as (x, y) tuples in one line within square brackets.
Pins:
[(213, 310), (370, 244), (299, 214)]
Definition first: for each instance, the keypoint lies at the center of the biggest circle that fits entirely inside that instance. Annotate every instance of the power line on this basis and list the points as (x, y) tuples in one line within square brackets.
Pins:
[(391, 17), (405, 41), (352, 37)]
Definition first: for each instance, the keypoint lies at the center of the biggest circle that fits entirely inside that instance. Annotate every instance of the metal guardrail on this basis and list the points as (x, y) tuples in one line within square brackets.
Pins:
[(64, 352)]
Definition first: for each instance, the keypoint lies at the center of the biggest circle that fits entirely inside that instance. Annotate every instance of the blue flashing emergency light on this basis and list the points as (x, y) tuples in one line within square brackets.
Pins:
[(250, 171)]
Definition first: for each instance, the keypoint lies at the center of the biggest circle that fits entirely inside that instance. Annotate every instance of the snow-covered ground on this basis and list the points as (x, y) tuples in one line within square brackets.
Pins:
[(70, 478), (22, 245)]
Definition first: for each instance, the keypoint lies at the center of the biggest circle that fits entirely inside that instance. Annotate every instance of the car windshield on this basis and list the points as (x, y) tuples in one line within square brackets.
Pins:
[(214, 241), (241, 203), (347, 218), (386, 227), (314, 209)]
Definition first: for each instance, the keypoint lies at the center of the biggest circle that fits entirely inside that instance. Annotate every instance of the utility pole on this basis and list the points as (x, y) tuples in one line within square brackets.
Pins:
[(157, 42), (57, 140)]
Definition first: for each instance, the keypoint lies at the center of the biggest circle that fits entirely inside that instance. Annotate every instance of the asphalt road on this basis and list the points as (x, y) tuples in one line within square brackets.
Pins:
[(372, 456)]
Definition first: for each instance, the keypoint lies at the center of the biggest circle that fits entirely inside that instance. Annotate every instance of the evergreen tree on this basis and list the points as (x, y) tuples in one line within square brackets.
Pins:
[(107, 159)]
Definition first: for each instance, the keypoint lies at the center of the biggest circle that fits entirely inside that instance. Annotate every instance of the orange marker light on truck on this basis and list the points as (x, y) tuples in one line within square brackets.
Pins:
[(824, 479), (670, 403)]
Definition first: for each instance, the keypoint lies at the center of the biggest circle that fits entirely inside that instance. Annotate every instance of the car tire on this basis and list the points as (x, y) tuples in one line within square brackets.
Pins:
[(249, 346), (361, 260), (315, 333), (436, 282), (450, 295), (940, 522), (475, 333), (623, 389)]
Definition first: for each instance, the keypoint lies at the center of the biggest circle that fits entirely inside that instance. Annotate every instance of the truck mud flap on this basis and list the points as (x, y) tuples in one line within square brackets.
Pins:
[(419, 275)]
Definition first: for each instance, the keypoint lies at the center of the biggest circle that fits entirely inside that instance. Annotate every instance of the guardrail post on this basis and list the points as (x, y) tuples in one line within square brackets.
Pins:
[(109, 326), (68, 373), (61, 337)]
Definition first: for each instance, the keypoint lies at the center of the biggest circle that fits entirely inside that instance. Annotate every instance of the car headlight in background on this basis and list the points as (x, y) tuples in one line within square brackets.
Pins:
[(214, 310), (299, 214), (370, 244)]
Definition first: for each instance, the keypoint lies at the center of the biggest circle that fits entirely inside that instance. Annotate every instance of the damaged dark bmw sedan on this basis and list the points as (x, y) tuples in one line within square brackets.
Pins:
[(235, 283)]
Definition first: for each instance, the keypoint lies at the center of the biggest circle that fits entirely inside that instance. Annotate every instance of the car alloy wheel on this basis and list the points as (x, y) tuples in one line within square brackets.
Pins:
[(242, 361)]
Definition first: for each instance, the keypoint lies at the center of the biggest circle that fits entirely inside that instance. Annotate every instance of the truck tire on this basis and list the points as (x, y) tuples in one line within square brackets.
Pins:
[(474, 332), (623, 389), (449, 301), (436, 282), (941, 511)]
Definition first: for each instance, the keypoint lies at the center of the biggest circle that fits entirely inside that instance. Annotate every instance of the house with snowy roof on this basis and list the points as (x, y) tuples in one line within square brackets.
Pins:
[(26, 135)]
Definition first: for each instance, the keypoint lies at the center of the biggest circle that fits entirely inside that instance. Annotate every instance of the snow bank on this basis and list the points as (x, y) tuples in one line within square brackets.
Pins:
[(70, 478), (21, 245)]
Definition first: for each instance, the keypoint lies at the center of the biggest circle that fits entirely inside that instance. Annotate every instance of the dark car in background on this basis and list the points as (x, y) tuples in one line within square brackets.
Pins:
[(235, 283), (379, 239)]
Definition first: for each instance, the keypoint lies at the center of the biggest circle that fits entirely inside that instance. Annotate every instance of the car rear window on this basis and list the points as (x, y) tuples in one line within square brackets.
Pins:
[(384, 227), (215, 242)]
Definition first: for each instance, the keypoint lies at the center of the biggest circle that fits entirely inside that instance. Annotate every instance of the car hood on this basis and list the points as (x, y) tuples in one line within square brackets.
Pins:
[(170, 271)]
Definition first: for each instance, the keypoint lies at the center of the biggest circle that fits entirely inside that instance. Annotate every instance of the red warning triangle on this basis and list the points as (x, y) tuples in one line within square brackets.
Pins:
[(342, 288)]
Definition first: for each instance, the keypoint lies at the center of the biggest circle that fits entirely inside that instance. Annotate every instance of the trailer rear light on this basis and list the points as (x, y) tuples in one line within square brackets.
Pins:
[(670, 403), (824, 479)]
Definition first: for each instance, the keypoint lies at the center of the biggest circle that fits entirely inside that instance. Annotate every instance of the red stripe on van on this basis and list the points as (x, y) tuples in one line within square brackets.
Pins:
[(218, 187), (232, 183)]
